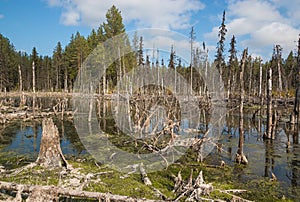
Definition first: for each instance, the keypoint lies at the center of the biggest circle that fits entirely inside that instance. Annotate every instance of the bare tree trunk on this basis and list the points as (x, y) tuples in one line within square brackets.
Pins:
[(33, 88), (22, 96), (91, 101), (268, 133), (20, 79), (240, 156), (50, 154), (260, 80), (57, 77), (250, 79), (66, 80), (279, 75), (33, 77), (297, 104), (104, 83)]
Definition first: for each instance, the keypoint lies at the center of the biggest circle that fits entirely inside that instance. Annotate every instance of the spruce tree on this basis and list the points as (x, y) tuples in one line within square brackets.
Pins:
[(220, 62)]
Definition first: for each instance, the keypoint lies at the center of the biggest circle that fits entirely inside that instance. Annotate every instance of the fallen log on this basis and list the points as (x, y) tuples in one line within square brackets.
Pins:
[(62, 192)]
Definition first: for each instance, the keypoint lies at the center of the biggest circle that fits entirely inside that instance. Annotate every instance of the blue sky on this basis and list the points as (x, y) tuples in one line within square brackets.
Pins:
[(257, 24)]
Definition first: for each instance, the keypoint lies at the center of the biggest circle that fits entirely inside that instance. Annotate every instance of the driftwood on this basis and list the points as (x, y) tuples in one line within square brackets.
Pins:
[(52, 193)]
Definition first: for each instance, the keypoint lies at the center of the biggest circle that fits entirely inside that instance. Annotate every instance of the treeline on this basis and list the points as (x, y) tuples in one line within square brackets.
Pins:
[(59, 71)]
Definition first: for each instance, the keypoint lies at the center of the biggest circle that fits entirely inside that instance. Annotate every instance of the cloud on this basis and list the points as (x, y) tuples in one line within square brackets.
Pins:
[(261, 24), (1, 16), (169, 14)]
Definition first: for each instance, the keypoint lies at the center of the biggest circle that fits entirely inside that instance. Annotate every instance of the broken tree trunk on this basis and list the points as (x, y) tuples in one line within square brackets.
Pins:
[(22, 96), (268, 133), (240, 156), (50, 154), (297, 104)]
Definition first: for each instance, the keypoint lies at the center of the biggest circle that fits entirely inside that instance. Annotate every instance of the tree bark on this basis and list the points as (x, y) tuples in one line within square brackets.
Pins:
[(20, 79), (279, 74), (240, 157), (268, 133), (33, 77), (50, 154), (297, 103), (66, 80)]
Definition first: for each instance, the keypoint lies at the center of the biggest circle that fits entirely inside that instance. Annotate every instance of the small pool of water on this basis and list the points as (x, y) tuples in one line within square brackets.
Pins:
[(24, 138)]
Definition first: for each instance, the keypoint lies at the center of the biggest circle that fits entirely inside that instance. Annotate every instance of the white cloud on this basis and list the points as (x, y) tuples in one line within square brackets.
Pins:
[(70, 18), (261, 24), (170, 14), (1, 16)]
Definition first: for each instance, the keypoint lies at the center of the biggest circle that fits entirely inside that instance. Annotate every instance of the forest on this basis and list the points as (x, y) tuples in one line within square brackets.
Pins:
[(45, 128), (57, 72)]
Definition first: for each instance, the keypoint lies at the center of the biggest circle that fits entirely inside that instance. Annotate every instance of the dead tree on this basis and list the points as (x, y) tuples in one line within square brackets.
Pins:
[(50, 154), (22, 96), (240, 156), (297, 95), (297, 104), (271, 119), (33, 77), (33, 88)]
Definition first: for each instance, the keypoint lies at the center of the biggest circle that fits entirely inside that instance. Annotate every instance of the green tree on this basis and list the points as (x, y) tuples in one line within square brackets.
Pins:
[(290, 67), (8, 65), (232, 66), (172, 60), (220, 62), (57, 65), (113, 26), (74, 55), (114, 23), (140, 53)]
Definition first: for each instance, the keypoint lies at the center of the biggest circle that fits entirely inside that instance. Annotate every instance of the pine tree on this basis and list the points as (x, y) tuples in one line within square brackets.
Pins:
[(140, 52), (57, 65), (232, 65), (220, 62), (113, 27), (114, 23), (172, 60)]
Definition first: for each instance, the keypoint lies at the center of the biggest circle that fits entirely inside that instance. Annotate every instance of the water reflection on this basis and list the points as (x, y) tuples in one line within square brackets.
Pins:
[(280, 156), (24, 138)]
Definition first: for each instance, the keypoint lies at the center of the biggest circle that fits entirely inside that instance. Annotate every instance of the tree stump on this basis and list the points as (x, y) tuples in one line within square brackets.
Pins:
[(50, 154)]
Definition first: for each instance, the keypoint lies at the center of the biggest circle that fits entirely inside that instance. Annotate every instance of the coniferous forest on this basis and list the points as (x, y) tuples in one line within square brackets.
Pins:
[(49, 150), (58, 71)]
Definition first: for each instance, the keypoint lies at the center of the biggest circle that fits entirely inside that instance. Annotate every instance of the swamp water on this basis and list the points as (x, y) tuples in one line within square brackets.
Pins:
[(19, 145)]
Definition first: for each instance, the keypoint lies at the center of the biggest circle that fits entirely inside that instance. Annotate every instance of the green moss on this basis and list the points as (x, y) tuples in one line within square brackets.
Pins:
[(260, 189), (216, 194), (35, 176)]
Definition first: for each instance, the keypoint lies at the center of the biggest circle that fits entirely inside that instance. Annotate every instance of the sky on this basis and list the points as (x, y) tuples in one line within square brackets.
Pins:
[(256, 24)]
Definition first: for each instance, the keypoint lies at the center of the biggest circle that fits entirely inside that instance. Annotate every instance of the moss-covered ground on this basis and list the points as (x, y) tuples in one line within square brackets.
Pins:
[(107, 180)]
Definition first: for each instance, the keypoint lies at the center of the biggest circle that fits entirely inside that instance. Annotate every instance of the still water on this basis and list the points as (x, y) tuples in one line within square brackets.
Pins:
[(265, 157)]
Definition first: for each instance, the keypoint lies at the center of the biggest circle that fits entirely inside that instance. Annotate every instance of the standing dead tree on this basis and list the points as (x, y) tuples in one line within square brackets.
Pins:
[(240, 156), (22, 96), (297, 95), (271, 118)]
